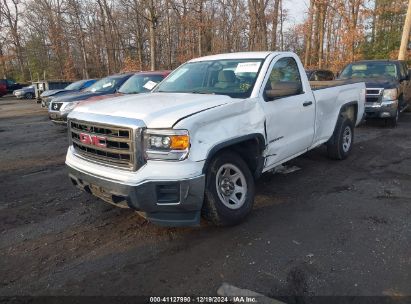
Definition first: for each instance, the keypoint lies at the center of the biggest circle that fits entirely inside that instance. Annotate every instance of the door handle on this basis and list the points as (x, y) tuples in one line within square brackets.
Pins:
[(307, 103)]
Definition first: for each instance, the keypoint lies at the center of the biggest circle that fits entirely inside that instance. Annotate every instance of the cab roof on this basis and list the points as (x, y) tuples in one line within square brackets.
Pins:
[(238, 55), (378, 60)]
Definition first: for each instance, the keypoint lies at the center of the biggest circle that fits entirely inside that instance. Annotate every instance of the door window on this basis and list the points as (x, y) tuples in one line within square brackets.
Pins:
[(284, 80), (403, 71), (330, 76)]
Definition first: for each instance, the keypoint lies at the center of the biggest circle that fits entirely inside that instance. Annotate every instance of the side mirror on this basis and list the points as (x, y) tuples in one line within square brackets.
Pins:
[(283, 89)]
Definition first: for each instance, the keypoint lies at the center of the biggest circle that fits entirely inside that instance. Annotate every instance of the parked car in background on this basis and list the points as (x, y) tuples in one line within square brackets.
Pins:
[(25, 93), (388, 87), (197, 142), (60, 106), (3, 89), (7, 86), (319, 75), (77, 86), (140, 82)]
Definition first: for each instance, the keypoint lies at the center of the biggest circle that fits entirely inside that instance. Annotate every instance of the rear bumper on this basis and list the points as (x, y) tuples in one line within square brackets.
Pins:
[(167, 203), (385, 109)]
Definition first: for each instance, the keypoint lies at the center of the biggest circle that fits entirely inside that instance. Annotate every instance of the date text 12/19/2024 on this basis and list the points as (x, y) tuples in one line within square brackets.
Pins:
[(204, 299)]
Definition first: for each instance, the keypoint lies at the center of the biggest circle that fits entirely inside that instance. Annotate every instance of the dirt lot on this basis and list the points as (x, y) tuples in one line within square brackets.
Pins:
[(331, 228)]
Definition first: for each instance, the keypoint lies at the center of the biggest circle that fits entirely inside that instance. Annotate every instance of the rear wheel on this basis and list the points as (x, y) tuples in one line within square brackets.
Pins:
[(229, 195), (340, 144), (28, 96)]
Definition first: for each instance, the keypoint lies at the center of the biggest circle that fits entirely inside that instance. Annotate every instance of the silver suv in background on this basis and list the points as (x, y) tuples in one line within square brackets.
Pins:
[(77, 86)]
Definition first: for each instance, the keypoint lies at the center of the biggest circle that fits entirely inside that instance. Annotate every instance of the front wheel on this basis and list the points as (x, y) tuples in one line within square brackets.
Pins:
[(229, 195), (340, 144), (393, 121)]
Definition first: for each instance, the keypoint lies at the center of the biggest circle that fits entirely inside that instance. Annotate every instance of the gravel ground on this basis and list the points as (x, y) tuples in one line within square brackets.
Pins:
[(330, 228)]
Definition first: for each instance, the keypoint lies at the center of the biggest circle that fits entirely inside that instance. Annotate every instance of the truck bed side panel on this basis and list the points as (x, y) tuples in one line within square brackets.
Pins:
[(329, 102)]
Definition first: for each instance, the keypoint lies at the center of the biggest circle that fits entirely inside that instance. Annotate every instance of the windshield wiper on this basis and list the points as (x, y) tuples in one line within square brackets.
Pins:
[(192, 92), (202, 92)]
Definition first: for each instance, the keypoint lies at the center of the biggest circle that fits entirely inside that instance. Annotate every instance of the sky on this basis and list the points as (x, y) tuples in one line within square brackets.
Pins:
[(297, 10)]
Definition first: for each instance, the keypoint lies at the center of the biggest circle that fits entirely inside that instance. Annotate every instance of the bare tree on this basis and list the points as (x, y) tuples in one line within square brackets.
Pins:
[(405, 34), (275, 25), (11, 15)]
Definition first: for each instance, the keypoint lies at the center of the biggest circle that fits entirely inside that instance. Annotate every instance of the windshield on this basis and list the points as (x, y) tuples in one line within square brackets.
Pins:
[(103, 85), (369, 70), (234, 78), (75, 85), (140, 84)]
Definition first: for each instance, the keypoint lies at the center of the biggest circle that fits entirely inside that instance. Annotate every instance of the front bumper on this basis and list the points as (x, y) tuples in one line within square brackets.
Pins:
[(385, 109), (58, 117), (164, 202)]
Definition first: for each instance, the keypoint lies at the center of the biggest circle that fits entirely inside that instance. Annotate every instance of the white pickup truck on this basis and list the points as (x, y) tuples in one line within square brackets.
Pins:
[(195, 145)]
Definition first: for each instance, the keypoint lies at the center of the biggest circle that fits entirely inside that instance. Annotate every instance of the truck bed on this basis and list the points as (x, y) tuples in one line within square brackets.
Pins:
[(330, 97), (318, 85)]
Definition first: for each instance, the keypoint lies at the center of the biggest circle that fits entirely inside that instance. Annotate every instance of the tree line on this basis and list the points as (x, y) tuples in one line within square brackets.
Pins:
[(71, 39)]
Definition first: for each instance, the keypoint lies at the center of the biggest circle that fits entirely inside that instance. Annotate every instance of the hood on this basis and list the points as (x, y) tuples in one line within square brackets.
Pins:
[(378, 82), (385, 83), (51, 92), (157, 110), (101, 97), (77, 96)]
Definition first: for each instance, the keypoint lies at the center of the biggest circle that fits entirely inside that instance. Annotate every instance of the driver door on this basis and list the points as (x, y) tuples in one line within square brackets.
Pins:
[(289, 110)]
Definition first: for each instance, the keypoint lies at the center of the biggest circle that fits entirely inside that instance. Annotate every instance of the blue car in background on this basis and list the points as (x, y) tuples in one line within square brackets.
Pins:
[(25, 92), (74, 87)]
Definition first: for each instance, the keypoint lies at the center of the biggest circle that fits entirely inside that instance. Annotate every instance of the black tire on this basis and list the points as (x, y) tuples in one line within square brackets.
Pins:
[(337, 147), (393, 121), (214, 209), (28, 96)]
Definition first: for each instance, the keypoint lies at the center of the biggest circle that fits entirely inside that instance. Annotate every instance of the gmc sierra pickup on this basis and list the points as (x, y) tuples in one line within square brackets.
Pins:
[(195, 145)]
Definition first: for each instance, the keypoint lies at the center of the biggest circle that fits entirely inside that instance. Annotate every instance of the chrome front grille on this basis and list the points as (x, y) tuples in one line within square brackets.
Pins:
[(374, 95), (111, 145)]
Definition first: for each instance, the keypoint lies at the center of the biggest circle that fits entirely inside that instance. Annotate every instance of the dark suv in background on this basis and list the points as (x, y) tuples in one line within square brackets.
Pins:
[(388, 87)]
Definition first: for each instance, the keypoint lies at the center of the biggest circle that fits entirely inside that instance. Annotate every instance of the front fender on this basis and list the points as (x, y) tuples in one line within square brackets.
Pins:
[(215, 127)]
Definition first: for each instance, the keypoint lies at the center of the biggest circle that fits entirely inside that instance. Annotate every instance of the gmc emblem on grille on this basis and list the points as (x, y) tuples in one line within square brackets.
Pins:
[(94, 140)]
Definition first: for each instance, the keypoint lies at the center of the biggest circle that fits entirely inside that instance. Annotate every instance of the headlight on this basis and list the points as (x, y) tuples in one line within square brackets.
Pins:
[(69, 106), (46, 100), (390, 94), (166, 144)]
